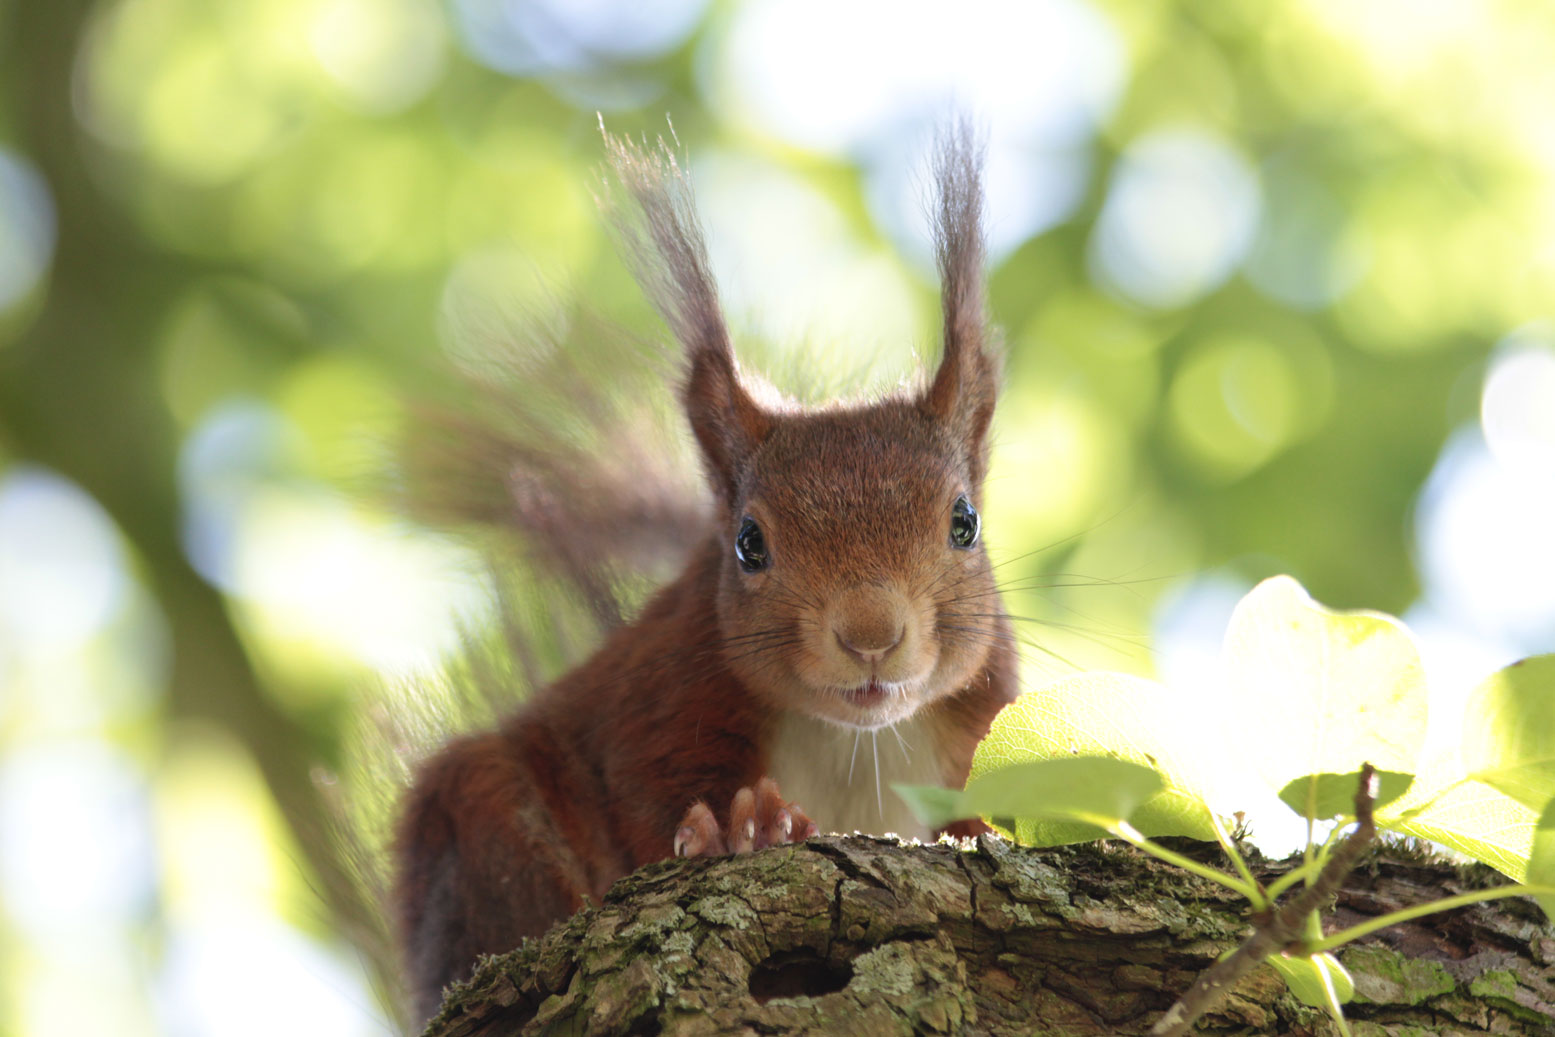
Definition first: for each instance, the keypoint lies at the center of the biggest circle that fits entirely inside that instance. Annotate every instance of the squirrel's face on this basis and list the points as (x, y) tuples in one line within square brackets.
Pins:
[(855, 584)]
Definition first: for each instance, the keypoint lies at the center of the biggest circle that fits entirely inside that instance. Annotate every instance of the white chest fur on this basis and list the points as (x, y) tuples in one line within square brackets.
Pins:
[(842, 776)]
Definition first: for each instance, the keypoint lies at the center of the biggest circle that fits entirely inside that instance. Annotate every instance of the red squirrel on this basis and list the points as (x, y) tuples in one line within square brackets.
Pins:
[(842, 587)]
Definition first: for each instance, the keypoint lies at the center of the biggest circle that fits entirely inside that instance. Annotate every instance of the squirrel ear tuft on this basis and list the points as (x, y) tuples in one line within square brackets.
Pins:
[(967, 383), (729, 424), (662, 241)]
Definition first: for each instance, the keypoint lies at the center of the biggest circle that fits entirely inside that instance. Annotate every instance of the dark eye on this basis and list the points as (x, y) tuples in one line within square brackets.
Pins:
[(964, 523), (750, 547)]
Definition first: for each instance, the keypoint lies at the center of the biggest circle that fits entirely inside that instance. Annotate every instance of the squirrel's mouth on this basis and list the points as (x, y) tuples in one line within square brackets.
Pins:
[(869, 694), (870, 705)]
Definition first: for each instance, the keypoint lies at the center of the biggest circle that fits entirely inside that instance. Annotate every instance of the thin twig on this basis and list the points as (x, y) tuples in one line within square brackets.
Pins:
[(1285, 926)]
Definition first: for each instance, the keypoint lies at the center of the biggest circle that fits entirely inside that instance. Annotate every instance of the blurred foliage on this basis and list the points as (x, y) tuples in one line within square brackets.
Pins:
[(235, 237)]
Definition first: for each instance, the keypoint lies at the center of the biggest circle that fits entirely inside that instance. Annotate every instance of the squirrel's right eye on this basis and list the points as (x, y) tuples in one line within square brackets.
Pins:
[(750, 547), (964, 523)]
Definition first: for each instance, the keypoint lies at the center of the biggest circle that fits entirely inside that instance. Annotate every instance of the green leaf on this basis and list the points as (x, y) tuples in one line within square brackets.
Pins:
[(1323, 796), (1321, 692), (1468, 816), (1305, 977), (1541, 860), (1088, 789), (1509, 731), (933, 806), (1117, 715)]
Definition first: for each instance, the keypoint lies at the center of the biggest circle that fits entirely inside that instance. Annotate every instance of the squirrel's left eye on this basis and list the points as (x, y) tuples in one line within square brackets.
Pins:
[(964, 523), (750, 547)]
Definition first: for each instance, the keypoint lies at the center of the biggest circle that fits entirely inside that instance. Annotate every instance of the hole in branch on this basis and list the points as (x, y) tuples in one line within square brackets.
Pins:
[(801, 973)]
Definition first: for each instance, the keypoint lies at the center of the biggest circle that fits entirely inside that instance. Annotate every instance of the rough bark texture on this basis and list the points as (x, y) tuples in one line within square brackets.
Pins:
[(866, 936)]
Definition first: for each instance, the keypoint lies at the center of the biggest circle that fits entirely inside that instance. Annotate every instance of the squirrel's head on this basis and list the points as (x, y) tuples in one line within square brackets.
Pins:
[(854, 582)]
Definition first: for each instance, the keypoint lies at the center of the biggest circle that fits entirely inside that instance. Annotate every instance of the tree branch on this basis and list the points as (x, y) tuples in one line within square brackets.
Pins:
[(862, 935), (1284, 927)]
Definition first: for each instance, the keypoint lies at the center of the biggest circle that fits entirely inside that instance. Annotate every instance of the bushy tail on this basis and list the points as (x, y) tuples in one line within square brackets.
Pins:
[(556, 450), (562, 450)]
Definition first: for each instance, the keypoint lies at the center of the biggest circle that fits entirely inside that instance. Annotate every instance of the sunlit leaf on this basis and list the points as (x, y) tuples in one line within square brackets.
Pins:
[(1323, 796), (1076, 788), (1464, 815), (1509, 731), (1305, 977), (934, 806), (1091, 790), (1116, 715), (1541, 860), (1318, 691)]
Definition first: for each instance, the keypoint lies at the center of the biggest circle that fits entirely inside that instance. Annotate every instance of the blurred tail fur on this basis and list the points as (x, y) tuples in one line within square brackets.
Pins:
[(555, 449), (554, 445)]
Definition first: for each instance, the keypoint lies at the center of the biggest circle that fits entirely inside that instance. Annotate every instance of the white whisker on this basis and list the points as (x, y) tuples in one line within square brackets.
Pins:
[(874, 742)]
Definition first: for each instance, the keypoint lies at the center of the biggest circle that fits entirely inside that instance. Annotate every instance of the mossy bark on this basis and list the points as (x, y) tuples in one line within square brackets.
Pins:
[(866, 936)]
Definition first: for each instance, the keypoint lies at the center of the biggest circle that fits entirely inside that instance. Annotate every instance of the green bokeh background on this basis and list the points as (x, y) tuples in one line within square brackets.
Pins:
[(270, 204)]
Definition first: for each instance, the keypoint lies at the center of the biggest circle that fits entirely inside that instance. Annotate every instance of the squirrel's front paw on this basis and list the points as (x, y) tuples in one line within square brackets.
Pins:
[(758, 817)]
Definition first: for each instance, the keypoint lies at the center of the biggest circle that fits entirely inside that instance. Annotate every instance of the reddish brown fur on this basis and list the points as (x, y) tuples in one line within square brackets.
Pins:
[(507, 832)]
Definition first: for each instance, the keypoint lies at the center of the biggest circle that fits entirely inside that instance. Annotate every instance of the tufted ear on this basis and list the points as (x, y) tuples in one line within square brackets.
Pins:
[(728, 423), (662, 240), (965, 387)]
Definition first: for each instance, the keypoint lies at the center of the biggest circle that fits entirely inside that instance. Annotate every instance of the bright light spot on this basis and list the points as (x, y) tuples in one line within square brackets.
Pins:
[(1028, 190), (321, 574), (1103, 345), (517, 191), (1064, 443), (1189, 627), (1404, 38), (50, 999), (217, 964), (1456, 659), (347, 411), (1038, 75), (1438, 263), (1042, 71), (74, 822), (1180, 214), (1188, 633), (369, 200), (368, 193), (228, 875), (62, 575), (1517, 410), (26, 228), (530, 37), (230, 456), (205, 120), (790, 268), (217, 831), (1487, 556), (315, 571), (1235, 403), (385, 54)]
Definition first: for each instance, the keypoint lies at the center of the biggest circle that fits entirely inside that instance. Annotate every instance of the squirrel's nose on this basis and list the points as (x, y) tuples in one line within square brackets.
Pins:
[(869, 622), (870, 649)]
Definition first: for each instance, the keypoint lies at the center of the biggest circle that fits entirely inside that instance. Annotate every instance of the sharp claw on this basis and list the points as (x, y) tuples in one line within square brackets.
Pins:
[(682, 838), (785, 823), (750, 830)]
